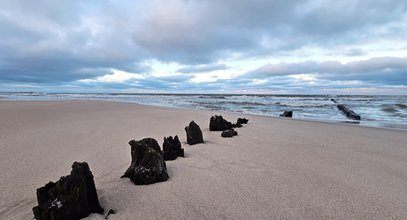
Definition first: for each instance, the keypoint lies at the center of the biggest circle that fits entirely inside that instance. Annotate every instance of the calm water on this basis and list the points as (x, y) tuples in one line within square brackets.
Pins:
[(376, 111)]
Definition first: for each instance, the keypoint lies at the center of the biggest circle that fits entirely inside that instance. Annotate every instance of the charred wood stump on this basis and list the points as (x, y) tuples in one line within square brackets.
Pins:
[(147, 163), (71, 197), (194, 133)]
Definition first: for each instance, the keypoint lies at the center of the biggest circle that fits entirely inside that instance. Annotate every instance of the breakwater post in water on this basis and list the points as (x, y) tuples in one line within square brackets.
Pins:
[(349, 113)]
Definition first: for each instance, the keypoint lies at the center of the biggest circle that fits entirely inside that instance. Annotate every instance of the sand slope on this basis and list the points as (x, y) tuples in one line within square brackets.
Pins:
[(275, 168)]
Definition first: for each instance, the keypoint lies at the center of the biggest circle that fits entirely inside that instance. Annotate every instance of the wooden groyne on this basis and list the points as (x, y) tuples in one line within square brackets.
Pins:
[(348, 112)]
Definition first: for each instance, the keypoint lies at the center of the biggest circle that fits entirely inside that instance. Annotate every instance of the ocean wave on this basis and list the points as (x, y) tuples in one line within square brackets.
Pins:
[(401, 105), (357, 99), (395, 109), (250, 103), (248, 107), (243, 103), (389, 108), (212, 97), (212, 107), (303, 105)]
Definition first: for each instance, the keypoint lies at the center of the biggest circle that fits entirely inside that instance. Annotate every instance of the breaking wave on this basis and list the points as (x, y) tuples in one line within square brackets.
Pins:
[(394, 108), (304, 105)]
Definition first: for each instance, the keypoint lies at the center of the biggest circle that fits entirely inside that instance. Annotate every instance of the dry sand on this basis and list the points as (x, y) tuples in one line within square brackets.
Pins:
[(275, 169)]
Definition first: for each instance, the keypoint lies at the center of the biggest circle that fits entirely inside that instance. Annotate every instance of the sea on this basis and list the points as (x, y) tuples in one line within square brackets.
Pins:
[(383, 111)]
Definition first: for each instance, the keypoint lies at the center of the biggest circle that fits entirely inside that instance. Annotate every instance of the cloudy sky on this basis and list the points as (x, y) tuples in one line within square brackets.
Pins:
[(196, 46)]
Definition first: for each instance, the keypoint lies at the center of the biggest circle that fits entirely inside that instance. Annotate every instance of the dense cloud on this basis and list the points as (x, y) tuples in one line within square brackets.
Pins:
[(76, 43), (386, 70)]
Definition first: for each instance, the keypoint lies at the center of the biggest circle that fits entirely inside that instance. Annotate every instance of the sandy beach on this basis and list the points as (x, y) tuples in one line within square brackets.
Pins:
[(275, 168)]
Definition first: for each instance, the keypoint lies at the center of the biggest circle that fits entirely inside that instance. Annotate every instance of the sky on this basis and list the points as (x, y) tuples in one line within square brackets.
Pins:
[(204, 46)]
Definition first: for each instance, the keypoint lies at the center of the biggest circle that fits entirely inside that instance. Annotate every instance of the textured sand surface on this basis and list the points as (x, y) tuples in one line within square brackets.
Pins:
[(274, 169)]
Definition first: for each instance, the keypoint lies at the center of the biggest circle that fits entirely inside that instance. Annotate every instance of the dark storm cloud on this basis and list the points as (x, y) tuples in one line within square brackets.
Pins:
[(203, 30), (65, 41), (384, 70), (54, 41), (59, 68), (333, 17)]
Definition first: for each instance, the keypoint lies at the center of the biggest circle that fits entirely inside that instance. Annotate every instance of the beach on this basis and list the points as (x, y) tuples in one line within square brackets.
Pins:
[(276, 168)]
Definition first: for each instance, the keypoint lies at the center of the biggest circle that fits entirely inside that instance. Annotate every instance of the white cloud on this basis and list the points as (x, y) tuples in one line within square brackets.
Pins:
[(259, 81), (305, 79), (213, 76), (162, 69), (116, 76)]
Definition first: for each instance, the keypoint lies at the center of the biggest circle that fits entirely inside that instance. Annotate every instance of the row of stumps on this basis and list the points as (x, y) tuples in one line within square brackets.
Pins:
[(348, 112), (74, 196)]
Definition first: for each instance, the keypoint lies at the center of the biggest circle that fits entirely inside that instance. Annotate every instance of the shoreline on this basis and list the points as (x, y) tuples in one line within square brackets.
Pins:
[(211, 94), (392, 126), (274, 168)]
